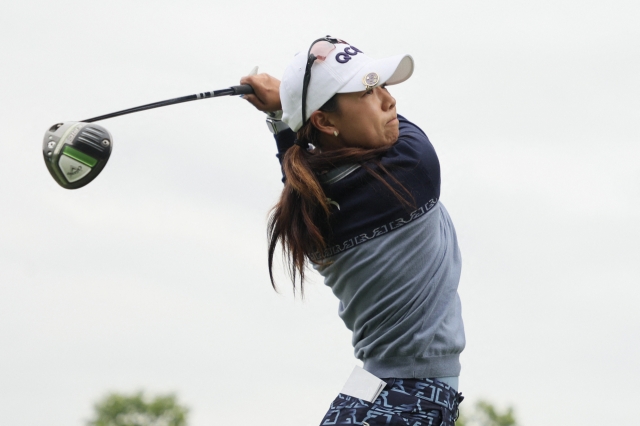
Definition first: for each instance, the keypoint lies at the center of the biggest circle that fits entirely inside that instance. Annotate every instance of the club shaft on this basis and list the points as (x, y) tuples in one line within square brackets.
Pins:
[(233, 90)]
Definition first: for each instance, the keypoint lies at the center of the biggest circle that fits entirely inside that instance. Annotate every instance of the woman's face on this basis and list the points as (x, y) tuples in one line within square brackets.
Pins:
[(366, 119)]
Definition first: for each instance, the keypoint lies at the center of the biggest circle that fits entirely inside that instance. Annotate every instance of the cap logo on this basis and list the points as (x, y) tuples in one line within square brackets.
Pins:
[(370, 79), (345, 56)]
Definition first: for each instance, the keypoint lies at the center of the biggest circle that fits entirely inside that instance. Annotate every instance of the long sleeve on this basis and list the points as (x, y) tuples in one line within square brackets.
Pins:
[(284, 141)]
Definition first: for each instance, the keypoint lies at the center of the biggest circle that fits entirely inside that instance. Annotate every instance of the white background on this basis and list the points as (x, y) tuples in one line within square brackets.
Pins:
[(154, 276)]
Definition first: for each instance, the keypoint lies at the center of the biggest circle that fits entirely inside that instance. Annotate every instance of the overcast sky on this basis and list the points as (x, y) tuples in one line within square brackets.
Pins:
[(154, 276)]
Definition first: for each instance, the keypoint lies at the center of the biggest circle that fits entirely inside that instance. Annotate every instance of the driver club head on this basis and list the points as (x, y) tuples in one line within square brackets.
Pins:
[(76, 152)]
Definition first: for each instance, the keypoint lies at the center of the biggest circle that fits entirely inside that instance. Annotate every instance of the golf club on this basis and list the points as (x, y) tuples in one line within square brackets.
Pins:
[(75, 152)]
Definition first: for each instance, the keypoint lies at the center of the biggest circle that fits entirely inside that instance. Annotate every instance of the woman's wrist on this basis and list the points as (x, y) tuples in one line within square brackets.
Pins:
[(274, 123)]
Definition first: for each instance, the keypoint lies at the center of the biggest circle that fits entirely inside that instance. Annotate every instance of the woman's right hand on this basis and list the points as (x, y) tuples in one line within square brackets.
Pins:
[(266, 90)]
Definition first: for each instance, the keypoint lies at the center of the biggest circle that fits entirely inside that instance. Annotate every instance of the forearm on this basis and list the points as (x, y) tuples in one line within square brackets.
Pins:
[(266, 98), (284, 141)]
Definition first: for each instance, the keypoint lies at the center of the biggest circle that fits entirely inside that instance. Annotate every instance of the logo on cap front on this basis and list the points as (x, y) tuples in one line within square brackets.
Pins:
[(370, 80)]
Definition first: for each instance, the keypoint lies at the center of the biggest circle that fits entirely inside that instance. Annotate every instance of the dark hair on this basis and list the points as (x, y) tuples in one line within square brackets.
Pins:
[(300, 219)]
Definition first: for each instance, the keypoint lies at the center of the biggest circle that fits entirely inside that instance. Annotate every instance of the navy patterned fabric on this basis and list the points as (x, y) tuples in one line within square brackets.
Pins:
[(405, 402)]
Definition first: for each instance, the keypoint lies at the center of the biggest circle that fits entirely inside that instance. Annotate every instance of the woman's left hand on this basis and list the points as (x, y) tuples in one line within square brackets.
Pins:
[(266, 90)]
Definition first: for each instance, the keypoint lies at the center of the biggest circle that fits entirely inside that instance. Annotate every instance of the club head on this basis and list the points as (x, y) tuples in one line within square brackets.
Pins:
[(76, 152)]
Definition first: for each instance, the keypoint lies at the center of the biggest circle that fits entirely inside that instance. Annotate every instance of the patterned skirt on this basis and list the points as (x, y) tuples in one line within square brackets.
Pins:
[(406, 402)]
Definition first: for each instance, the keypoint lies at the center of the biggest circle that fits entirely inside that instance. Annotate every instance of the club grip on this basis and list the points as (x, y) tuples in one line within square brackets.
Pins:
[(243, 89)]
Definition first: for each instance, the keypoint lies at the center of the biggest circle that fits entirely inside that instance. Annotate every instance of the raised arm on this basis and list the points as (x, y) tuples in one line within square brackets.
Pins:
[(266, 98)]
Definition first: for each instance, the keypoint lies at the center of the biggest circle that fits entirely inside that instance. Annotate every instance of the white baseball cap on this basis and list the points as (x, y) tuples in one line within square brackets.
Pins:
[(344, 70)]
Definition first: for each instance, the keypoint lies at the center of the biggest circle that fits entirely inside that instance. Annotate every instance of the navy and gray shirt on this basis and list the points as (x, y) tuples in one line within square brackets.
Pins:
[(394, 269)]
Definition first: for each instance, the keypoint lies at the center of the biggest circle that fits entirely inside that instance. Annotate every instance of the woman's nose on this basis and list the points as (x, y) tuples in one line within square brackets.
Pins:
[(388, 101)]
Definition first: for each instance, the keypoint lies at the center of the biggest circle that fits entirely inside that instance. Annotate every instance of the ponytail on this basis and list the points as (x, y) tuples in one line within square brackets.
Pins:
[(299, 221)]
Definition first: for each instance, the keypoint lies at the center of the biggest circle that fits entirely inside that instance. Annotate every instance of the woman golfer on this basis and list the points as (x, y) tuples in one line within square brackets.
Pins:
[(361, 203)]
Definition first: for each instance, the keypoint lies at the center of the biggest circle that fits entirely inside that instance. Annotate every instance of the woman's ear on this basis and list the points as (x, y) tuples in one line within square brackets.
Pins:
[(324, 122)]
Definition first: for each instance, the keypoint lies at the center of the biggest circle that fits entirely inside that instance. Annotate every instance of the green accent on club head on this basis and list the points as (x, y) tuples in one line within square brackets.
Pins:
[(79, 156)]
